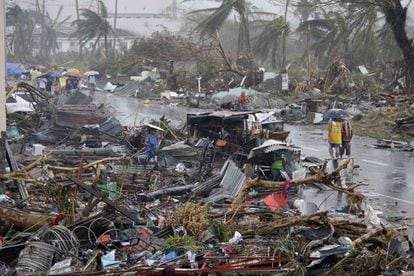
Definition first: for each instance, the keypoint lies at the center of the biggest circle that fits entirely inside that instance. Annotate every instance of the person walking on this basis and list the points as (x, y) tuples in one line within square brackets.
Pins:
[(42, 84), (92, 83), (334, 138), (151, 146), (346, 138)]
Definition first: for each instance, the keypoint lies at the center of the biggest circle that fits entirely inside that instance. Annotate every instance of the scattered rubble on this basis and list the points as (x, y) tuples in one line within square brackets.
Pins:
[(77, 196)]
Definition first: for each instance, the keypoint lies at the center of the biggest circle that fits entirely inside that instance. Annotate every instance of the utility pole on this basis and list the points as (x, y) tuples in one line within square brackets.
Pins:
[(174, 9), (2, 69)]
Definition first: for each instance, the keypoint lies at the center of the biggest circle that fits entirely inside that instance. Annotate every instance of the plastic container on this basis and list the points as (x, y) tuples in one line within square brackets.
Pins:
[(38, 149)]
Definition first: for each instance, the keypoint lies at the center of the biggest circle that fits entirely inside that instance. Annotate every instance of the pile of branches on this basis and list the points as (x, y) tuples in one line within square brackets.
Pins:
[(192, 216), (337, 76)]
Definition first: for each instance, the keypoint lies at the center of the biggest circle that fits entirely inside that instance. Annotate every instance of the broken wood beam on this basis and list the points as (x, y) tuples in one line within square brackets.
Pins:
[(103, 197), (14, 167)]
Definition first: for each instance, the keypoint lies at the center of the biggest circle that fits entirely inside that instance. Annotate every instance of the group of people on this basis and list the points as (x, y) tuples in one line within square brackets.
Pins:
[(50, 85), (339, 136)]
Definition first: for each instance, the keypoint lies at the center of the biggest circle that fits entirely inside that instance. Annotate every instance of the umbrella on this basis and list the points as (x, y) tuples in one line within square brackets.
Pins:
[(73, 75), (336, 114), (50, 75), (91, 73), (41, 68), (47, 75), (55, 75), (73, 70)]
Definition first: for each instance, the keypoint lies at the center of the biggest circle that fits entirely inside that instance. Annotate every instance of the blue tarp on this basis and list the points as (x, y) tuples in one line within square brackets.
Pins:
[(14, 70)]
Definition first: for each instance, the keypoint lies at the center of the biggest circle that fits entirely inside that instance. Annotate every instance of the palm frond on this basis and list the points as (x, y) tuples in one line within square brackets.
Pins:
[(203, 11), (104, 10), (216, 20), (323, 24)]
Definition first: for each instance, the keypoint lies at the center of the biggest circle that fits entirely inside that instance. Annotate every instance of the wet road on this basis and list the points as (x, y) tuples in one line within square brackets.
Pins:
[(389, 173), (132, 111)]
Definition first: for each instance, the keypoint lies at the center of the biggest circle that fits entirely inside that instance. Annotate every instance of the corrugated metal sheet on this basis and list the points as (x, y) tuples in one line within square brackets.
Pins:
[(230, 185), (208, 185), (233, 179)]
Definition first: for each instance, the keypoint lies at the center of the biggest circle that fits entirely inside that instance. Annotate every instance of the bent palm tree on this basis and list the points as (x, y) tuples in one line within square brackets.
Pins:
[(271, 40), (330, 35), (94, 26), (216, 20), (52, 28)]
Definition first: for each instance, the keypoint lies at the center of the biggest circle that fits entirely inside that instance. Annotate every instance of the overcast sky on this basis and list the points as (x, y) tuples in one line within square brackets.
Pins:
[(138, 26), (147, 26), (132, 6)]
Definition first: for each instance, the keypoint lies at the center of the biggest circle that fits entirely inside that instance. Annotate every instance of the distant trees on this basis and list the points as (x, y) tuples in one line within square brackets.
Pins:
[(23, 35), (370, 32)]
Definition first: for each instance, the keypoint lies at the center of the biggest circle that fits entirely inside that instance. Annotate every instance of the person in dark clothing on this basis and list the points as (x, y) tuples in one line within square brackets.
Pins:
[(49, 84), (346, 138)]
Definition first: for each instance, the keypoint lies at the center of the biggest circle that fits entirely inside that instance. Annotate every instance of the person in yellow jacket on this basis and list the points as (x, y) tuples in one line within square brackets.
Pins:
[(335, 138)]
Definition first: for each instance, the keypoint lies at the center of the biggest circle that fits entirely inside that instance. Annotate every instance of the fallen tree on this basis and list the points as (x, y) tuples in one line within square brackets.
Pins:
[(321, 176)]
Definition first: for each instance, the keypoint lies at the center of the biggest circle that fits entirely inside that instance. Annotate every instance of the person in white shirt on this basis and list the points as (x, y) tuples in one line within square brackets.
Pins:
[(92, 83), (42, 84)]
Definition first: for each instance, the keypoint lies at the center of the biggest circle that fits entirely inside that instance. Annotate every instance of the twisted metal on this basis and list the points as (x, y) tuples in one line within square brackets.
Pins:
[(37, 256)]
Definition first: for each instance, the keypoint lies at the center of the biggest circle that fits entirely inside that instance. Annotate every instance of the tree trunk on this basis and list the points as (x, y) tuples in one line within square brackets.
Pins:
[(308, 42), (106, 45), (244, 36), (78, 17), (115, 18), (396, 17), (284, 37)]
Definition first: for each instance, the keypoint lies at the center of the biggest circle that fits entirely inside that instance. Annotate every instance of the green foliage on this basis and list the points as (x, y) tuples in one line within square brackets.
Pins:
[(222, 231), (284, 247), (174, 243)]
